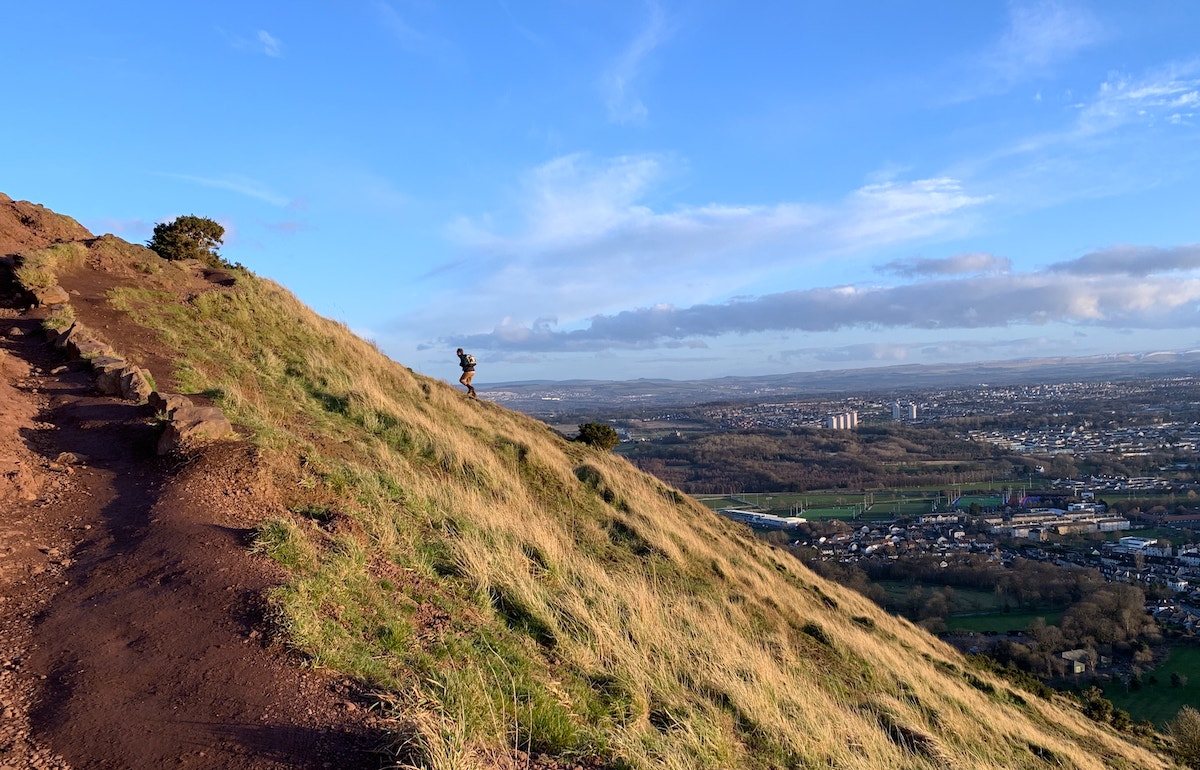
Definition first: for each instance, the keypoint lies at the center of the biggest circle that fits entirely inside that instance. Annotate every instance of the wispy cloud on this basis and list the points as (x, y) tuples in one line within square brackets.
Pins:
[(238, 184), (1041, 34), (618, 83), (263, 42), (959, 264), (413, 40), (586, 227), (520, 28), (1169, 94), (1123, 137), (1135, 261), (271, 45)]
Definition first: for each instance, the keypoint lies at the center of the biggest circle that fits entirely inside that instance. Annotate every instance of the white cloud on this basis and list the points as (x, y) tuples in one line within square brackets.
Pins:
[(270, 45), (1122, 100), (1136, 261), (617, 84), (959, 264), (977, 302), (586, 240)]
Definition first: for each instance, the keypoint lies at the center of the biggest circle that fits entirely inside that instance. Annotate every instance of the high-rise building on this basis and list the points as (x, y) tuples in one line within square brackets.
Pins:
[(842, 420)]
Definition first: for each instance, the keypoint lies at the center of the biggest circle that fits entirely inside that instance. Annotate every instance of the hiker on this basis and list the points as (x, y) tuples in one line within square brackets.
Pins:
[(467, 362)]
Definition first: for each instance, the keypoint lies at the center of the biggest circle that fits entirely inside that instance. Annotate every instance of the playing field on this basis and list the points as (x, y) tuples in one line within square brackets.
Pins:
[(985, 502), (871, 506)]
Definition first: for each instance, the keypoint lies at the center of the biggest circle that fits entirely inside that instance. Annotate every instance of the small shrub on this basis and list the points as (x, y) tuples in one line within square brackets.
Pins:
[(188, 237), (599, 435)]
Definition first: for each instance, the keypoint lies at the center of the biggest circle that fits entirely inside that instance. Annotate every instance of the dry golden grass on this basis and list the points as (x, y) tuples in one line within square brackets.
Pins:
[(509, 589)]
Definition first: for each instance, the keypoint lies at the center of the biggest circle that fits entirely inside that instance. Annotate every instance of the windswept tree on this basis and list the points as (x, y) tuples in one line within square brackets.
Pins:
[(188, 237), (599, 435)]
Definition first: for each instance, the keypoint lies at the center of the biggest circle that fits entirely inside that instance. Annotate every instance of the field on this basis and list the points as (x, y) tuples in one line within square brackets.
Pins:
[(870, 506), (1159, 701), (984, 502)]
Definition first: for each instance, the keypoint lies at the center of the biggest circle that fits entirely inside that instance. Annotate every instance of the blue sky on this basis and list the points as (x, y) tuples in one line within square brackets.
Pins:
[(635, 189)]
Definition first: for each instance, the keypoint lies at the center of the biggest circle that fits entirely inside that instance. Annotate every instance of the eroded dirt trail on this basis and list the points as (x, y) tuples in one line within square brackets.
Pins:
[(131, 635)]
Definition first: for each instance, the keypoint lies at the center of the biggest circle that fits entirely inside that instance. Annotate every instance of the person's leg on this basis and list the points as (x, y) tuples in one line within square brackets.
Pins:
[(467, 377)]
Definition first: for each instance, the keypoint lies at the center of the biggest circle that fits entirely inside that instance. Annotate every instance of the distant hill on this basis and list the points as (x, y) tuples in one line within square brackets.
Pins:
[(582, 396), (518, 600)]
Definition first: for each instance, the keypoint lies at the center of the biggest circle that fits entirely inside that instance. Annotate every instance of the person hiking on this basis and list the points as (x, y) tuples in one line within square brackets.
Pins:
[(467, 362)]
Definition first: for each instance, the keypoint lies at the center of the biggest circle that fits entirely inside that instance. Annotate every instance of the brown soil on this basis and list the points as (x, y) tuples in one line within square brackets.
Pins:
[(131, 629)]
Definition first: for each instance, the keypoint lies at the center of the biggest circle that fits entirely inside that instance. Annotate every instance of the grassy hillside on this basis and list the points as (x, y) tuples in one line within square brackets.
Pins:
[(506, 590)]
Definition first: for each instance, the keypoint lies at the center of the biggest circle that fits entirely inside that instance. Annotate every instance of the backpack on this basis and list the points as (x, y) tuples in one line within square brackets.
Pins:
[(470, 360)]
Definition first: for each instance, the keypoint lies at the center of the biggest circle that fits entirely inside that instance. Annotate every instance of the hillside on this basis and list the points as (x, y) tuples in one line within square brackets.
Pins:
[(508, 598)]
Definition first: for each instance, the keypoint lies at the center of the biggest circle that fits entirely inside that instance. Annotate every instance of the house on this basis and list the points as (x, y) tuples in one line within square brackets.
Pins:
[(1077, 661)]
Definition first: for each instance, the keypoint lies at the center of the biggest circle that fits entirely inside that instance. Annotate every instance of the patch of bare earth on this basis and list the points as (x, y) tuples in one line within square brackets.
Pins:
[(131, 633)]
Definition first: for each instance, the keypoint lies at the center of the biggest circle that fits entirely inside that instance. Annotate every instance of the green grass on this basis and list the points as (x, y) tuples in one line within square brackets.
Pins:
[(878, 505), (39, 269), (972, 609), (965, 501), (1159, 702)]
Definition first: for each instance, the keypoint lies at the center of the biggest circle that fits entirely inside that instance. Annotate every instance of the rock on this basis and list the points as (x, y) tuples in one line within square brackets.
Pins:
[(193, 425), (60, 339), (50, 295), (15, 332), (109, 370), (135, 384), (167, 402), (88, 347), (71, 458)]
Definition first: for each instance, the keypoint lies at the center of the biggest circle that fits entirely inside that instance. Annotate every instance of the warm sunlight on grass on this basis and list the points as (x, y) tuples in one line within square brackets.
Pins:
[(503, 587)]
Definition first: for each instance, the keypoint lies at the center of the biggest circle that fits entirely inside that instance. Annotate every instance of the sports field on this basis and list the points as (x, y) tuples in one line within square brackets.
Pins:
[(985, 502), (882, 505)]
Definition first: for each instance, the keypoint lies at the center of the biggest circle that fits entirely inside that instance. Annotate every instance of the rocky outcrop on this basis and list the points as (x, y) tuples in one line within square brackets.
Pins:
[(114, 375), (25, 225), (189, 426)]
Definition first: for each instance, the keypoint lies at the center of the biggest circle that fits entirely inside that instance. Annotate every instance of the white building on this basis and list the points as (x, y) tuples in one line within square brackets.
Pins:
[(842, 421)]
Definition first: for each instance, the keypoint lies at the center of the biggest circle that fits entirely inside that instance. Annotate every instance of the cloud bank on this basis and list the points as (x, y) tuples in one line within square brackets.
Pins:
[(1084, 292)]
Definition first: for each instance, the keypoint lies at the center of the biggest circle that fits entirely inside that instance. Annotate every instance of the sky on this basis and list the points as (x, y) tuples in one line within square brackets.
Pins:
[(619, 189)]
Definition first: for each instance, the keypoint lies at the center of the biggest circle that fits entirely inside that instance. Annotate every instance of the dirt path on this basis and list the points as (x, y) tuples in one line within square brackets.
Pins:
[(130, 632)]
